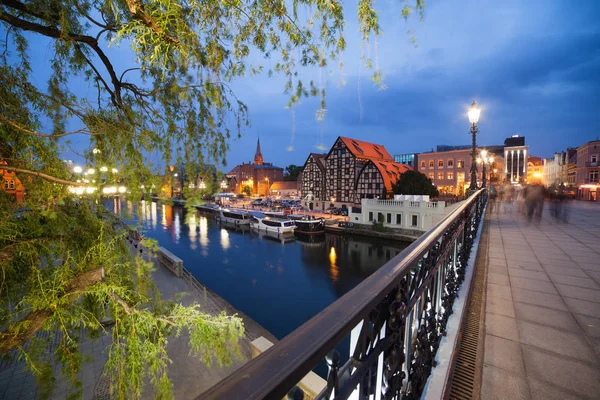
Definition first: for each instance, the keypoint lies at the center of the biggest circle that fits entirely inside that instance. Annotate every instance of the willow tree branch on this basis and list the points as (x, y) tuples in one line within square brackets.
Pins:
[(42, 175), (138, 11), (23, 330), (35, 133), (55, 33)]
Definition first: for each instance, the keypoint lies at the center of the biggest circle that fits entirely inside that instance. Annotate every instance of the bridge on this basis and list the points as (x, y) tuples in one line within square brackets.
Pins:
[(484, 305)]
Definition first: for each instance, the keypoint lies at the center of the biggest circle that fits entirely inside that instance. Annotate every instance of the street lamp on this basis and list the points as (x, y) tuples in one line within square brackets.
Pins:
[(267, 189), (77, 169), (202, 186), (473, 114), (484, 160)]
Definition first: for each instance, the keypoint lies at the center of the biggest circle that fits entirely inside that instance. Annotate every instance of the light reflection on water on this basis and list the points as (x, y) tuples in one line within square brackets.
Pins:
[(225, 243), (279, 281)]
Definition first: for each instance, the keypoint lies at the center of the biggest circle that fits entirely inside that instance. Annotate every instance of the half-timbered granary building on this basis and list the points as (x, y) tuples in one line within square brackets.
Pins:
[(313, 179), (353, 169), (377, 177)]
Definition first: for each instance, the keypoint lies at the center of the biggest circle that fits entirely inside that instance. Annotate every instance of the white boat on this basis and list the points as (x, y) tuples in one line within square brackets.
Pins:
[(274, 225), (236, 217)]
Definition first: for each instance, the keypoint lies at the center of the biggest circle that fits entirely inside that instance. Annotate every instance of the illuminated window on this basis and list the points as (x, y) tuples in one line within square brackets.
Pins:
[(460, 176), (450, 175), (460, 164), (440, 176), (431, 164), (431, 175), (422, 164), (441, 163)]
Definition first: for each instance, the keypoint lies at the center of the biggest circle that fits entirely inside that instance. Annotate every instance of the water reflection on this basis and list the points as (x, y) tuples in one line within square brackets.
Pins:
[(279, 281), (225, 243), (333, 269), (153, 218), (193, 229), (177, 227)]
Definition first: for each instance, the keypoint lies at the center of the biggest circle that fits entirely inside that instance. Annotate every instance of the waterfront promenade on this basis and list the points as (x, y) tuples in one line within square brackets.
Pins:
[(542, 319)]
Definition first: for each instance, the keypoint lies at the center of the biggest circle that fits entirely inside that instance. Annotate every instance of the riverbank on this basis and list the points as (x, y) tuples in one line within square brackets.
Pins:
[(402, 237)]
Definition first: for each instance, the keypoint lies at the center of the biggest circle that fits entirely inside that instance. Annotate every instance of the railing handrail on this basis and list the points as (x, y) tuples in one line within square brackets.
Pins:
[(277, 370)]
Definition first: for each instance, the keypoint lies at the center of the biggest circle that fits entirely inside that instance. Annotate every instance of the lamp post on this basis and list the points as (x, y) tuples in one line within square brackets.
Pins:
[(267, 190), (202, 186), (473, 119)]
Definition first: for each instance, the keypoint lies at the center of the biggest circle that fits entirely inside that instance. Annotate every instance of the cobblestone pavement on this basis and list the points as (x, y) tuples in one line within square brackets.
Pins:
[(189, 375), (542, 321)]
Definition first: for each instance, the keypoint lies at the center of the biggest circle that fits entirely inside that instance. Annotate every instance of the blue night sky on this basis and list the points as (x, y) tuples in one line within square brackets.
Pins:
[(533, 66)]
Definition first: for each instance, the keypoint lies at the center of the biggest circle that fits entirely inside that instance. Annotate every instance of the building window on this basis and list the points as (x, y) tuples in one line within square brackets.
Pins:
[(594, 158), (593, 176), (370, 216), (422, 164), (450, 175), (460, 176), (450, 163), (431, 164), (441, 163), (431, 175), (6, 185), (331, 162), (379, 217), (389, 218), (440, 176), (460, 164), (11, 184), (414, 220), (348, 160), (398, 219)]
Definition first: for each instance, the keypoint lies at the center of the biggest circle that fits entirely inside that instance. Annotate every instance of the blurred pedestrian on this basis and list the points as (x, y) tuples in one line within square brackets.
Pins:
[(534, 201)]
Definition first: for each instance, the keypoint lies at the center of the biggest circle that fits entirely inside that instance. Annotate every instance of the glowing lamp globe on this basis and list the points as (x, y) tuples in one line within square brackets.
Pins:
[(474, 113)]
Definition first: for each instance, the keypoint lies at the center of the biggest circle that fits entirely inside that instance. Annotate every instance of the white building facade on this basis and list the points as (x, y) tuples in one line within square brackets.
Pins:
[(404, 212)]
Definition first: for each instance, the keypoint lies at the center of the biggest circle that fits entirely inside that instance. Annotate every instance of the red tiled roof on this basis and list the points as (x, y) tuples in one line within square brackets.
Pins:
[(390, 171), (366, 150)]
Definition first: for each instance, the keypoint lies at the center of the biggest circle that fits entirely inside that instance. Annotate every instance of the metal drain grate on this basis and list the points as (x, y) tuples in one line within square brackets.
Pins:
[(466, 372)]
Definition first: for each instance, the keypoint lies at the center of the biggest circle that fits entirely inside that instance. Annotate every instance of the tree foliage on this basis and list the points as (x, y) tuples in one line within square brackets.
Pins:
[(64, 261), (292, 172), (415, 183)]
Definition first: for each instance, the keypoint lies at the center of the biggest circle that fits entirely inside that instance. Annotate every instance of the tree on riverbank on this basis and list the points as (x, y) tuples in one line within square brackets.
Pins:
[(415, 183), (63, 262)]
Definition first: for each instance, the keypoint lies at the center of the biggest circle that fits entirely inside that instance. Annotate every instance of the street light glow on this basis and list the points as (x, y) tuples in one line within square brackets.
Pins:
[(91, 171), (114, 170), (77, 169), (103, 169), (474, 113)]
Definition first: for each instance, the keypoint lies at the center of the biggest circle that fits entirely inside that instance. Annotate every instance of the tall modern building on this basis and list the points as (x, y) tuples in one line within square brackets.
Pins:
[(410, 159), (515, 159)]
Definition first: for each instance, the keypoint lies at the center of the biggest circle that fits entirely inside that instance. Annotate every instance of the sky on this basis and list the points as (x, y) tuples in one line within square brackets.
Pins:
[(532, 66)]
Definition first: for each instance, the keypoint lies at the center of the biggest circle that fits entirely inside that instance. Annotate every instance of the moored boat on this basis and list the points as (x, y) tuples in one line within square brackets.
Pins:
[(274, 225), (236, 217), (309, 225)]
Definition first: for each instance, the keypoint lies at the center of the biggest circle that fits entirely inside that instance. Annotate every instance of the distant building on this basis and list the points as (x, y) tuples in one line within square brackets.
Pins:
[(11, 184), (403, 212), (352, 170), (69, 165), (535, 169), (410, 159), (555, 169), (515, 159), (285, 189), (258, 175), (588, 171)]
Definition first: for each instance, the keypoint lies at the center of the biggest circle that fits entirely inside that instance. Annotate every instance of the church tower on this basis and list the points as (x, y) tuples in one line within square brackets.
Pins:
[(258, 158)]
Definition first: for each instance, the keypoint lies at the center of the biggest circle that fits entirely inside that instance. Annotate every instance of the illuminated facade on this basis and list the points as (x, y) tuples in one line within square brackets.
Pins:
[(515, 159), (588, 171), (257, 175)]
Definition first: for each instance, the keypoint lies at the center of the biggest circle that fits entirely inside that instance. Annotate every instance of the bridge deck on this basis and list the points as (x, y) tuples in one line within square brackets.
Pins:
[(542, 322)]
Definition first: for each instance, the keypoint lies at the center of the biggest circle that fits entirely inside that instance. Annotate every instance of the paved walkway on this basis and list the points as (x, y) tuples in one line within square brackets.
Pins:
[(542, 321)]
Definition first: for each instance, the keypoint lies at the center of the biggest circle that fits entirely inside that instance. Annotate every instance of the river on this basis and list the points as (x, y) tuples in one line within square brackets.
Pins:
[(280, 283)]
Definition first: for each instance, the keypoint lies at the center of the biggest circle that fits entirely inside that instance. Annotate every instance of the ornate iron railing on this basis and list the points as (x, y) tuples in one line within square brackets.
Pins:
[(395, 319)]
